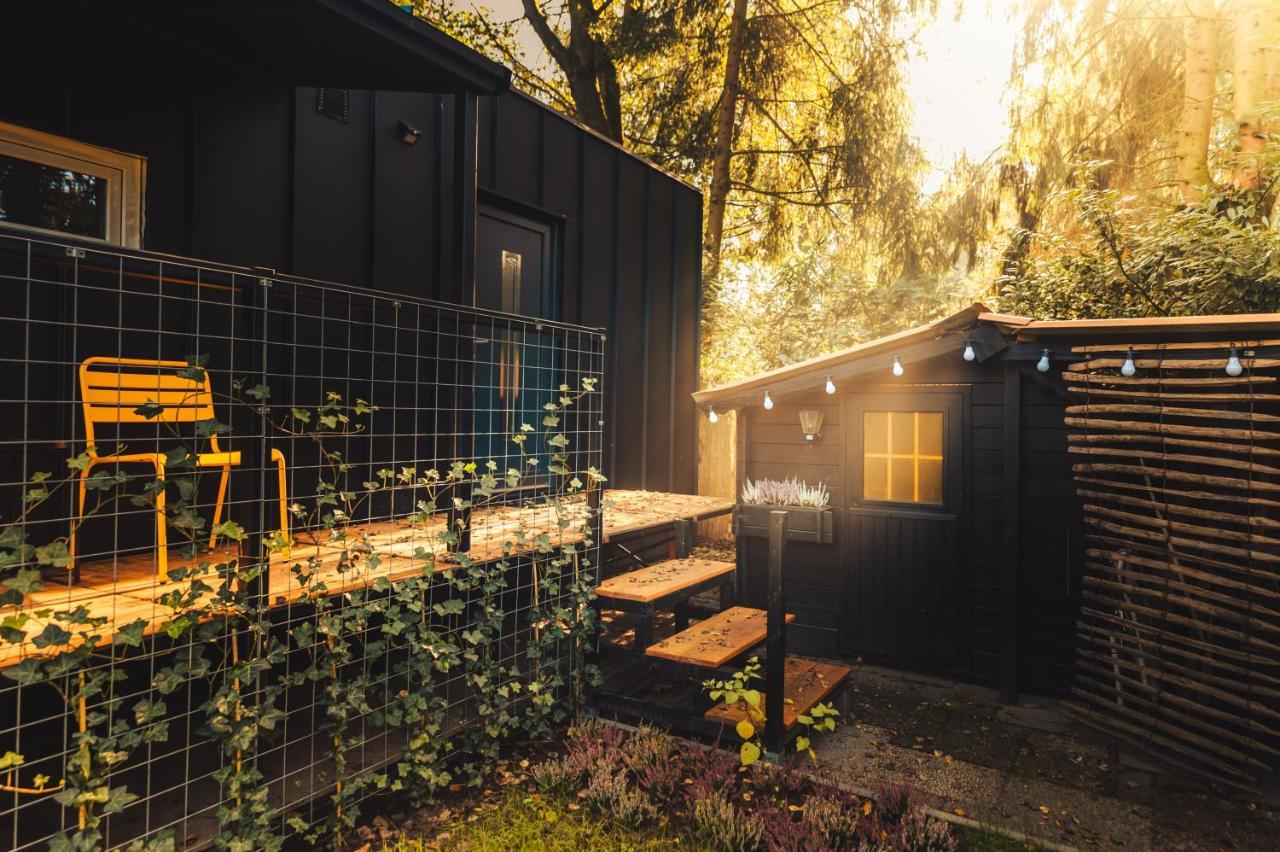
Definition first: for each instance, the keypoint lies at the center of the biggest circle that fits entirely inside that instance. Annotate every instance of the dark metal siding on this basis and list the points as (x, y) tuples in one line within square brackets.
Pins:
[(258, 177)]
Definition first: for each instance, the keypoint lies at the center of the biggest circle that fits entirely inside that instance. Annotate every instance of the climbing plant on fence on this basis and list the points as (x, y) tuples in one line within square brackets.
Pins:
[(405, 671)]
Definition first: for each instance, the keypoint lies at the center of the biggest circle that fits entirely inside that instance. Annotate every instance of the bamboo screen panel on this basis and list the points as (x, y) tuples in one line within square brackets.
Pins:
[(1178, 466)]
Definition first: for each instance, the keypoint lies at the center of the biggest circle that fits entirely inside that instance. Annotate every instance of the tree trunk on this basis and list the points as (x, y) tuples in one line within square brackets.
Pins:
[(1199, 72), (1253, 32), (586, 64), (723, 152)]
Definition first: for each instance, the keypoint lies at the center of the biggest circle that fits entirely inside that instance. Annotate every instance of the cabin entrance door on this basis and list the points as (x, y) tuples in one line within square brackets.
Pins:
[(906, 591), (515, 360)]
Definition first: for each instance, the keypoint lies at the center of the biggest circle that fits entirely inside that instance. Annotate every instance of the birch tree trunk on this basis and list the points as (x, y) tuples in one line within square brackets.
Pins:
[(1199, 72), (1247, 68), (726, 114)]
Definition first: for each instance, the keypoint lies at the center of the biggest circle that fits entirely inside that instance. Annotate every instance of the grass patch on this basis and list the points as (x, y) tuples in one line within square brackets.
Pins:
[(524, 820), (985, 840)]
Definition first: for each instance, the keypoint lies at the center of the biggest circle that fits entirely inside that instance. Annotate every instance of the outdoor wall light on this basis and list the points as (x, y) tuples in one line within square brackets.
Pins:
[(711, 414), (1128, 368), (768, 401), (811, 423), (1233, 363), (831, 386), (897, 368), (409, 134), (969, 354), (1043, 364)]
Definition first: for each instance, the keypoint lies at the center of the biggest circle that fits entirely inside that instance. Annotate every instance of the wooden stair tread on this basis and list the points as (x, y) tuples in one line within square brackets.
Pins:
[(805, 684), (715, 641), (662, 579)]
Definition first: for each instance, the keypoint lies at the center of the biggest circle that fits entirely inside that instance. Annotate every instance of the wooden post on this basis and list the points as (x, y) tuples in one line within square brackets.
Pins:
[(1011, 543), (776, 662), (740, 478)]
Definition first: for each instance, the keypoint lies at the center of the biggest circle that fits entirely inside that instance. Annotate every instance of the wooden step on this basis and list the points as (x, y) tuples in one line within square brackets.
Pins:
[(663, 580), (717, 640), (806, 683)]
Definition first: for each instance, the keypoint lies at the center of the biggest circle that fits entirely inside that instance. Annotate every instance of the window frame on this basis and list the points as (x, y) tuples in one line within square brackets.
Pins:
[(125, 176), (950, 404)]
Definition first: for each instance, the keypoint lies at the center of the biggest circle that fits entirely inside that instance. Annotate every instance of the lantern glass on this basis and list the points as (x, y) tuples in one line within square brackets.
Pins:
[(811, 423)]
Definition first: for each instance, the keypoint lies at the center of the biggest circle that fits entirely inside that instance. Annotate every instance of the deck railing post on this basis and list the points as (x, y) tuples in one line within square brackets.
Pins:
[(776, 661)]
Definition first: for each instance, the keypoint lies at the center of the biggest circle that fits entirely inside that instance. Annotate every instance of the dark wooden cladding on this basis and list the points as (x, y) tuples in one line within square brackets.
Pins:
[(251, 174), (1179, 635), (945, 611)]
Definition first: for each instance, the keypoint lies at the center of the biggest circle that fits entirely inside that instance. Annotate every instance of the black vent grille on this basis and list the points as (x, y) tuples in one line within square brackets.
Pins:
[(335, 103)]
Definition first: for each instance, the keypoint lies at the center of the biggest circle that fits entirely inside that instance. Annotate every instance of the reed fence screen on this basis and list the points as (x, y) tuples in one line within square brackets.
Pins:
[(381, 522), (1179, 469)]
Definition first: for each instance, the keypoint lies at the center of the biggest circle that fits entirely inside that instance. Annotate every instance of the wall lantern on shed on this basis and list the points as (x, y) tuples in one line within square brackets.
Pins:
[(408, 134), (811, 424)]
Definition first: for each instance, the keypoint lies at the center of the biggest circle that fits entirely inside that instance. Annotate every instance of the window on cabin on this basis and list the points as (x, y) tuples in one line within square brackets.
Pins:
[(902, 456), (60, 186)]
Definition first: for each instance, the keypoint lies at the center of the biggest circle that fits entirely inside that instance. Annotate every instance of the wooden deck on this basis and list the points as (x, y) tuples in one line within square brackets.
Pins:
[(124, 590)]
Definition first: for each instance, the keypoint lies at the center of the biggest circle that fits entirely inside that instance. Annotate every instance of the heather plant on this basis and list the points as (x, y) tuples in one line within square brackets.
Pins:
[(723, 827), (610, 791), (785, 492)]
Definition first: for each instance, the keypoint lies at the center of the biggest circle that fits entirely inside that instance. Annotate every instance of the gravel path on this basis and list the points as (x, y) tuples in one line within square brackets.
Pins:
[(1028, 768)]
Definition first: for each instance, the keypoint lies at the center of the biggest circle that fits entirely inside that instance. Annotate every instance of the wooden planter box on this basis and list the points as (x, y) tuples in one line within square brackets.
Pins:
[(802, 524)]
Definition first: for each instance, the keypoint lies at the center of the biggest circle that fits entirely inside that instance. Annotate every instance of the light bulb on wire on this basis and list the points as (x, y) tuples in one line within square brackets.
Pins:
[(897, 368), (1234, 367), (1129, 368), (969, 354), (768, 401), (711, 414), (1043, 364), (831, 386)]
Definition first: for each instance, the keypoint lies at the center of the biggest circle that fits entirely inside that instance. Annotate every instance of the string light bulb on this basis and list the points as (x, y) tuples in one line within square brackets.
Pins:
[(1234, 367), (1043, 364), (969, 354), (897, 368), (768, 401), (711, 414), (1128, 368), (831, 386)]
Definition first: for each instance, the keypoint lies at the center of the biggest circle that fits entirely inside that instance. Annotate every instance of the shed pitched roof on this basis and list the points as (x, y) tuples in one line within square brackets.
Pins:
[(987, 328)]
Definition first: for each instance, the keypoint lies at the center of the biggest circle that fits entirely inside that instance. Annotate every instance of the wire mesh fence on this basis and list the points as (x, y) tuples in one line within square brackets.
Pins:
[(271, 546)]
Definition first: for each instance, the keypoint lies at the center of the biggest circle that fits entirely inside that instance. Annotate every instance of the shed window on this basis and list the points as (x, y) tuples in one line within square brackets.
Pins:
[(902, 456)]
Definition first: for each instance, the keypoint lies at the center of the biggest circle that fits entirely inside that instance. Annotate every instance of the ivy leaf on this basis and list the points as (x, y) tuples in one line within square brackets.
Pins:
[(130, 634), (25, 581), (27, 672), (260, 392), (149, 410), (229, 529), (54, 553), (51, 636)]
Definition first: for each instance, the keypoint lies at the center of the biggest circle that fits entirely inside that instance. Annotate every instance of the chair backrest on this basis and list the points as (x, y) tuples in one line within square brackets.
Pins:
[(113, 389)]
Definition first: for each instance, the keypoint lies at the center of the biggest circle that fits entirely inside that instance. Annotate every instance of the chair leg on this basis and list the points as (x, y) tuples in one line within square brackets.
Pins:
[(162, 533), (217, 506), (283, 484)]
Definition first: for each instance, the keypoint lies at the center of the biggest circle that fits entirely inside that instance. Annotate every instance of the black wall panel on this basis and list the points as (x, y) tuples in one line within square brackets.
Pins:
[(258, 177)]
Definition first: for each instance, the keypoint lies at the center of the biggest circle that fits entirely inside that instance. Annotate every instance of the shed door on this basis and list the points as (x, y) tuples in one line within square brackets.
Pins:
[(906, 594)]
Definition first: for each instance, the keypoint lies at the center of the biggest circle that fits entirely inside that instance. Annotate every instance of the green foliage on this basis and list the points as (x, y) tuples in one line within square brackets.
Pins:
[(737, 691), (1133, 259), (446, 619)]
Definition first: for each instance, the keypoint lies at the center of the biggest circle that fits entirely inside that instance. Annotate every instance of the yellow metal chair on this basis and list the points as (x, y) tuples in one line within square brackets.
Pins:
[(111, 392)]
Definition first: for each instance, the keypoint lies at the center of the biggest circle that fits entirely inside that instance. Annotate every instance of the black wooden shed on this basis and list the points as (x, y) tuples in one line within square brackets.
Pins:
[(347, 141), (960, 538)]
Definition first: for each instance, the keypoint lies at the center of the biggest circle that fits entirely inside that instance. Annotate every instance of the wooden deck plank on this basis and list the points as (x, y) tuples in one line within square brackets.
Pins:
[(717, 640), (662, 579), (807, 682), (124, 588)]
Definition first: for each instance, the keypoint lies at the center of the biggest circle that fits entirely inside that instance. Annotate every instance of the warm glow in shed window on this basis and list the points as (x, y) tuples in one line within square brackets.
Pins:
[(902, 456)]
